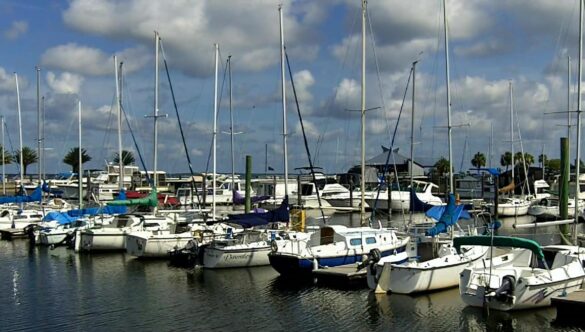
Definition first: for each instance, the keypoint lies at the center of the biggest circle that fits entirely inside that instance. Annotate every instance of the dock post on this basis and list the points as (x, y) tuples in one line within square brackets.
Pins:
[(564, 189)]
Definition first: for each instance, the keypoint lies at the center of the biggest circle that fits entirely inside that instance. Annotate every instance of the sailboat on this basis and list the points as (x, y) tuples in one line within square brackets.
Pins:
[(512, 206), (335, 245)]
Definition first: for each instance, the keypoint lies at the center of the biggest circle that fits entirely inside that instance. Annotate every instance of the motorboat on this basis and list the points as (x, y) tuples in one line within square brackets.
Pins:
[(334, 245)]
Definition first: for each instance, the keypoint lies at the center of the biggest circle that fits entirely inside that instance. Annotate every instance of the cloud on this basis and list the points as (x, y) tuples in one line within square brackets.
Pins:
[(66, 83), (6, 82), (17, 29), (91, 61), (482, 49), (189, 28)]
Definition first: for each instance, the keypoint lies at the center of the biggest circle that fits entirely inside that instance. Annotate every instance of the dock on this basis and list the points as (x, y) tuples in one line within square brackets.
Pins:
[(346, 275), (570, 308), (12, 233)]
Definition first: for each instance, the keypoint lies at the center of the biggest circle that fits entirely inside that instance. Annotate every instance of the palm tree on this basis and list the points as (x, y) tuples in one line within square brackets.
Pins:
[(72, 158), (528, 159), (7, 156), (127, 158), (478, 160), (442, 166), (525, 159), (29, 156), (506, 159)]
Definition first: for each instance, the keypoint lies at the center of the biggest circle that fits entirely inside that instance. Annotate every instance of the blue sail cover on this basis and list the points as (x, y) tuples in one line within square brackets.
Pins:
[(248, 220), (239, 199), (62, 218), (446, 216), (53, 191), (34, 197)]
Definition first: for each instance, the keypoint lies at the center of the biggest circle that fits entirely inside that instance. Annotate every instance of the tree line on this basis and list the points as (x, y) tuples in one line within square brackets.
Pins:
[(479, 160), (29, 157)]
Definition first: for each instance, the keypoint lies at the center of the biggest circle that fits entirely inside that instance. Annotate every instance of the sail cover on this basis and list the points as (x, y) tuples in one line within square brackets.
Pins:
[(150, 200), (446, 216), (248, 220), (34, 197)]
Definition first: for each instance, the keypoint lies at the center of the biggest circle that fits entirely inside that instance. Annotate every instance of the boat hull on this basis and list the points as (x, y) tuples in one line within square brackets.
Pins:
[(296, 265), (147, 245), (215, 258), (439, 273), (101, 240)]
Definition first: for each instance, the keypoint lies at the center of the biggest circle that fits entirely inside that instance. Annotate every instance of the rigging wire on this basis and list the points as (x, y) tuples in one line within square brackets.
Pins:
[(180, 125), (304, 137)]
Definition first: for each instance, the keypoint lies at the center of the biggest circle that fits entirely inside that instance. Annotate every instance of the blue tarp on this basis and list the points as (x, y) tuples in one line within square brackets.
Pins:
[(446, 216), (34, 197), (61, 217), (248, 220)]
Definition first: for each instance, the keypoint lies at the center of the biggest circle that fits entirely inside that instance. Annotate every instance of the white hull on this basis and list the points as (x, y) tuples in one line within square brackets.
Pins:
[(229, 258), (53, 236), (510, 210), (521, 286), (101, 240), (438, 273), (148, 245)]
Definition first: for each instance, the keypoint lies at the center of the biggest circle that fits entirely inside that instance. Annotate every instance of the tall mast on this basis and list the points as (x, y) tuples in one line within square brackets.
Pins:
[(283, 90), (80, 168), (231, 128), (578, 159), (119, 114), (449, 127), (156, 45), (412, 139), (491, 143), (569, 98), (363, 116), (3, 160), (512, 134), (39, 165), (19, 130), (215, 128), (42, 156)]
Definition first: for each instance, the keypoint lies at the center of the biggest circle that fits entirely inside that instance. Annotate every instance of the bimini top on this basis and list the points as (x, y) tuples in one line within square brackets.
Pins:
[(499, 241)]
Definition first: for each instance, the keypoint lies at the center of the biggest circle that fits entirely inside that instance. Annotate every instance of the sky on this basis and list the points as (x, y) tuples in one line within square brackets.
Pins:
[(491, 44)]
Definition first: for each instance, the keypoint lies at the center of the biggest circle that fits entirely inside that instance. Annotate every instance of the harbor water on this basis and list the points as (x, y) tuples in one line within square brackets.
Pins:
[(58, 289)]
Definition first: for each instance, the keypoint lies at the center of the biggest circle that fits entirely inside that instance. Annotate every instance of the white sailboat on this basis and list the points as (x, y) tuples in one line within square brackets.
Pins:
[(513, 206), (512, 282)]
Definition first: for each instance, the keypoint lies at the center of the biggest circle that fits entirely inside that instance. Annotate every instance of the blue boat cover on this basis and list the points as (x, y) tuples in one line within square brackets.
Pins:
[(248, 220), (239, 199), (34, 197), (446, 216)]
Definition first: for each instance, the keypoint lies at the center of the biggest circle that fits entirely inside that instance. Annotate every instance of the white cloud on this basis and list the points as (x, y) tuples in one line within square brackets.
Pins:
[(482, 48), (91, 61), (66, 83), (303, 82), (189, 28), (17, 29), (6, 81)]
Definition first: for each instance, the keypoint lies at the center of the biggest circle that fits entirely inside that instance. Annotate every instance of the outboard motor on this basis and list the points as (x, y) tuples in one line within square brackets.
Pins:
[(373, 257), (506, 289)]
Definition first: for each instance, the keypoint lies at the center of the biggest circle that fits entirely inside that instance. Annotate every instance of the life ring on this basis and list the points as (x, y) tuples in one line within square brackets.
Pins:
[(273, 246)]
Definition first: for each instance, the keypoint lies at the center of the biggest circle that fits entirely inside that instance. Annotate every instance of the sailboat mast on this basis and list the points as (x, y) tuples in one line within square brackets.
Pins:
[(412, 140), (569, 97), (79, 168), (578, 158), (19, 130), (232, 128), (155, 154), (363, 116), (283, 89), (512, 135), (215, 128), (119, 113), (449, 126), (39, 165), (3, 159)]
